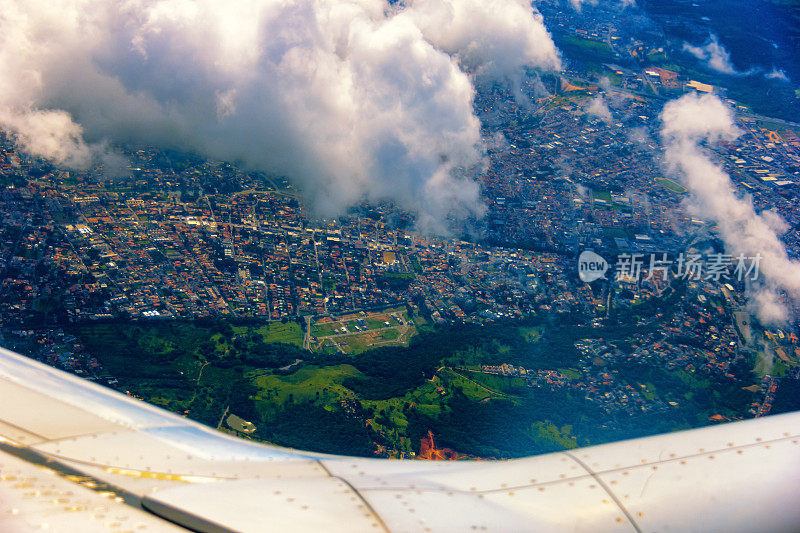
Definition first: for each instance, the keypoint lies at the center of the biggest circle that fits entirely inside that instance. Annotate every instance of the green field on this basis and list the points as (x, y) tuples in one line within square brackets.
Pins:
[(531, 333), (386, 399), (289, 333), (310, 383), (596, 47), (570, 373), (603, 195), (373, 332), (671, 185)]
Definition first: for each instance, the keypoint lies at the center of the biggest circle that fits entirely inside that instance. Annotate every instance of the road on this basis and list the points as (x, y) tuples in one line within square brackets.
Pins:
[(487, 389), (307, 336)]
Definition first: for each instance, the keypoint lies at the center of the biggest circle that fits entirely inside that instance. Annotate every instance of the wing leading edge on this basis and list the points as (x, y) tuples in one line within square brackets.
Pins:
[(77, 456)]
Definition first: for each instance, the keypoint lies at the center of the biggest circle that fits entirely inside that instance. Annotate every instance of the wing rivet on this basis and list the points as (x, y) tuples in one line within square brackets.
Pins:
[(739, 452), (619, 519), (541, 489), (640, 513), (758, 439), (683, 462)]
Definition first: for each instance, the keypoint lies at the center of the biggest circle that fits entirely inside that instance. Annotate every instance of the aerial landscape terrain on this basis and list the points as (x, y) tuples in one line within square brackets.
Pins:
[(384, 229)]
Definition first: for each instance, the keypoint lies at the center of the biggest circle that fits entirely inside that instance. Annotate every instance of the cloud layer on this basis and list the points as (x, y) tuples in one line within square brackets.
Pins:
[(352, 99), (713, 54), (687, 123), (597, 107)]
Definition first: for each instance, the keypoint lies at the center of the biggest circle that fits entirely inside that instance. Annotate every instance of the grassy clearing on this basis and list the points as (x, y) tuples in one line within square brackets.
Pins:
[(570, 373), (531, 333), (671, 185), (289, 333), (309, 383), (355, 334)]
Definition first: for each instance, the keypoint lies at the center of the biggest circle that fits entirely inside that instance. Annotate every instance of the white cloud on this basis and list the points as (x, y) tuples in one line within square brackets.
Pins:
[(597, 107), (690, 121), (713, 54), (490, 36), (777, 74), (578, 4), (349, 98)]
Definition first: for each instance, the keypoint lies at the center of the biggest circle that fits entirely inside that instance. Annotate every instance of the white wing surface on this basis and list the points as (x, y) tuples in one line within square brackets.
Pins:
[(75, 456)]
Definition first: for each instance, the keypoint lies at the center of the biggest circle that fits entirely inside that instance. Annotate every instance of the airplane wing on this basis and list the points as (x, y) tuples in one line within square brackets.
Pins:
[(75, 456)]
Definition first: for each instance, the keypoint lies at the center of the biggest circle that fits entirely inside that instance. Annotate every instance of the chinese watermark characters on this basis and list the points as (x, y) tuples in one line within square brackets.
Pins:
[(713, 267)]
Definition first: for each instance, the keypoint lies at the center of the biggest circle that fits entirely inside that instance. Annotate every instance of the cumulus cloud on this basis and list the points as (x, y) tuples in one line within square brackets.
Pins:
[(639, 135), (597, 107), (578, 4), (689, 122), (497, 141), (713, 54), (777, 74), (493, 37), (352, 99)]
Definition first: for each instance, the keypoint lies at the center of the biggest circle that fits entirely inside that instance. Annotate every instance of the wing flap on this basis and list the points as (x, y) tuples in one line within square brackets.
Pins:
[(44, 418), (317, 504)]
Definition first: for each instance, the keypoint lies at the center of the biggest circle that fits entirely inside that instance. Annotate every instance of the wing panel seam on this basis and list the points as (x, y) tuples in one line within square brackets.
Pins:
[(608, 491), (360, 496)]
